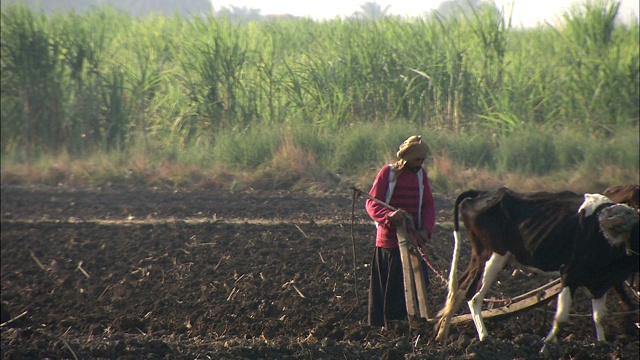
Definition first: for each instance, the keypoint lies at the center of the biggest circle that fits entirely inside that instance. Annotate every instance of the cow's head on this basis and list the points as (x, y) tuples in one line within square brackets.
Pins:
[(616, 223), (591, 203)]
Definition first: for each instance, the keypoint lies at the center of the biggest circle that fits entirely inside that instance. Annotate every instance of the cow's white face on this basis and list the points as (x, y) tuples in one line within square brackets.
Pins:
[(591, 202)]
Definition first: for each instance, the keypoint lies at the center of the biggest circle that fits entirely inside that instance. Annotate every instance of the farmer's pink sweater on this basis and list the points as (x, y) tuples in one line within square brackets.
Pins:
[(405, 196)]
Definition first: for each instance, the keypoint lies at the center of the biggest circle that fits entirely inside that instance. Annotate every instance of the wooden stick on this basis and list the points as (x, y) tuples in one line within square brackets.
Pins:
[(233, 293), (66, 344), (104, 291), (298, 227), (33, 256), (82, 270), (298, 291), (61, 338), (13, 319), (535, 299), (420, 283), (527, 294), (360, 192), (240, 278), (407, 271)]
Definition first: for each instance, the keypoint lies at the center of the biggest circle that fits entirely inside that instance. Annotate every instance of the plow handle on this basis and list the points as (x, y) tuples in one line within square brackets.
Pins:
[(360, 192)]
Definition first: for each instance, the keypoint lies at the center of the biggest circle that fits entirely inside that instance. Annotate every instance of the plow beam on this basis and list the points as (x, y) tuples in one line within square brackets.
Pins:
[(540, 297)]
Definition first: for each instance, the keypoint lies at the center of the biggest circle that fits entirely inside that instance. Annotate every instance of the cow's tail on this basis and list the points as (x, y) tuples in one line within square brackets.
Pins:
[(463, 196), (453, 297)]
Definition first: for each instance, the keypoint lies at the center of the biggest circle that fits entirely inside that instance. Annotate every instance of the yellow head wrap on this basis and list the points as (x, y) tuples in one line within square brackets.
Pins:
[(410, 149)]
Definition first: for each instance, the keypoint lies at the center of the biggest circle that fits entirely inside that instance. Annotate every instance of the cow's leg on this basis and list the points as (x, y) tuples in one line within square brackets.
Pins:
[(599, 312), (454, 296), (618, 290), (561, 316), (491, 270)]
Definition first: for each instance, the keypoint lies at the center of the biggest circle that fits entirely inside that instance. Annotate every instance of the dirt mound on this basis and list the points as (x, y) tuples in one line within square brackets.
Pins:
[(127, 273)]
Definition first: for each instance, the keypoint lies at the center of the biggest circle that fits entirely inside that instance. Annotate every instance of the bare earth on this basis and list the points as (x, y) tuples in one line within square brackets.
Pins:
[(135, 273)]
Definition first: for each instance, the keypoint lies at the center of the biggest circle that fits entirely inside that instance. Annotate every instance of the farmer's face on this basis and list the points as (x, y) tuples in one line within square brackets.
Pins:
[(415, 164)]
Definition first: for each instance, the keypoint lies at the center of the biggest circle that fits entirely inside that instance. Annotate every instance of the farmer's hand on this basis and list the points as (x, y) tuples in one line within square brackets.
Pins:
[(397, 217)]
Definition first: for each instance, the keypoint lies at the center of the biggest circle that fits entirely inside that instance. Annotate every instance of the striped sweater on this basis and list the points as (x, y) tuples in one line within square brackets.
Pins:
[(405, 196)]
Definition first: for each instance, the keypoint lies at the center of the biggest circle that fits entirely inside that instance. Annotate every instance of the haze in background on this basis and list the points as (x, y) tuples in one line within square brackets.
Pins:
[(527, 13)]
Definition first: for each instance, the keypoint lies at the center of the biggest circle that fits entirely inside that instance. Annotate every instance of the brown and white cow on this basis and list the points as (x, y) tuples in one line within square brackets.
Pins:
[(624, 194), (552, 232)]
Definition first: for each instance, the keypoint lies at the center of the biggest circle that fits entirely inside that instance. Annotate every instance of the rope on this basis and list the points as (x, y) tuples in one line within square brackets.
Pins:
[(438, 274)]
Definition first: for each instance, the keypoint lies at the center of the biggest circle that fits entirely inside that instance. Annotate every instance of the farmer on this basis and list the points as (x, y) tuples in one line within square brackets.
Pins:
[(398, 185)]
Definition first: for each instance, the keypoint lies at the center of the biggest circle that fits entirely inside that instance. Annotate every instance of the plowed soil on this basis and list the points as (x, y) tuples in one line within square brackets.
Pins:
[(143, 273)]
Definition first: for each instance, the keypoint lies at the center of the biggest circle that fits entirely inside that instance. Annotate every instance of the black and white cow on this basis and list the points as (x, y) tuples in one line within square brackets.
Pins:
[(553, 232), (629, 195)]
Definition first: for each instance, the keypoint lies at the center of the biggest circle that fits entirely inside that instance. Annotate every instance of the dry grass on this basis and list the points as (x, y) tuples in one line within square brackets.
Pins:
[(448, 176), (290, 168)]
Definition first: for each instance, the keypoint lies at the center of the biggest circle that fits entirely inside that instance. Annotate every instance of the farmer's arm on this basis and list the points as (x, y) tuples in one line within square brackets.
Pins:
[(376, 211)]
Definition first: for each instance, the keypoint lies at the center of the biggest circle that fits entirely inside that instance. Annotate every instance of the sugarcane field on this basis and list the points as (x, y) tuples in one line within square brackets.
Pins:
[(106, 272), (196, 179)]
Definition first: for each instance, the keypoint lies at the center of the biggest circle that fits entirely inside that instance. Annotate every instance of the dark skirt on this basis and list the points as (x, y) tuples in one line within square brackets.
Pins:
[(386, 289)]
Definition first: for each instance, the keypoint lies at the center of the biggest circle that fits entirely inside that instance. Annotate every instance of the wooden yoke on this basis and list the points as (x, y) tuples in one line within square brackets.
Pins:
[(415, 287)]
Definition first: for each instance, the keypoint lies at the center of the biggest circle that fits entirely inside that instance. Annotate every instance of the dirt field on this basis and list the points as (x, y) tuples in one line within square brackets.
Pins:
[(120, 273)]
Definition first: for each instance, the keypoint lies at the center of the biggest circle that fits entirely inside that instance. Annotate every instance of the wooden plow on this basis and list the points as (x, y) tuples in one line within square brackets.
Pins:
[(415, 283), (415, 287), (535, 297)]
